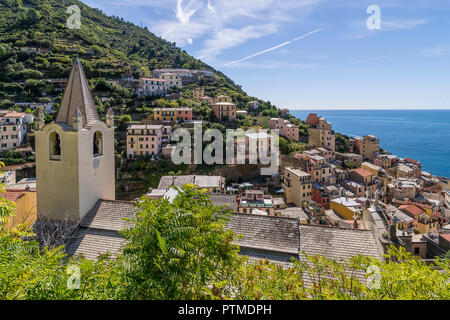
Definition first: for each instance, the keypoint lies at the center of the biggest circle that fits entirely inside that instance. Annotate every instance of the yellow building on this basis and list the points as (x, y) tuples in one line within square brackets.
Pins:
[(225, 111), (26, 207), (171, 80), (322, 135), (370, 146), (297, 186), (374, 169), (426, 224), (346, 208)]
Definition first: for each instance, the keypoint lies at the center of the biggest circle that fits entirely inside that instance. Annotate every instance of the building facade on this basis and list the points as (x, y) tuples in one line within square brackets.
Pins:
[(297, 186), (322, 135), (172, 80), (152, 87), (370, 147), (144, 140), (172, 114), (14, 127), (224, 111)]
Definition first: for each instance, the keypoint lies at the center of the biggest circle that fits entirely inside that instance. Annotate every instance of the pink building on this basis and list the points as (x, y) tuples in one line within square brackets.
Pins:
[(329, 155), (329, 140), (144, 140), (286, 128)]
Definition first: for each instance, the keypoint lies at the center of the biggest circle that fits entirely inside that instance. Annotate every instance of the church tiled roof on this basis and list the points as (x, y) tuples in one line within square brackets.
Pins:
[(263, 237), (98, 231), (77, 95)]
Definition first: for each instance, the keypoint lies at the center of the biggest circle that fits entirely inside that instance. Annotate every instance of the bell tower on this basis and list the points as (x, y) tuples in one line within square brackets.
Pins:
[(74, 155)]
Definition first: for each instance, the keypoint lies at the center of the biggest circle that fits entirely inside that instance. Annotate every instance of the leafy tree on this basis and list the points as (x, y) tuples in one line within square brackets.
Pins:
[(179, 250), (285, 146)]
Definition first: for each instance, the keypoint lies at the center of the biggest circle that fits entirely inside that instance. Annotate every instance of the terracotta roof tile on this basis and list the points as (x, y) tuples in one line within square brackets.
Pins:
[(411, 210), (13, 195)]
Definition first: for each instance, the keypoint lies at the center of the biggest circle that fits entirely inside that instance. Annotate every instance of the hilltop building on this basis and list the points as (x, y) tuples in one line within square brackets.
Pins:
[(14, 127), (285, 128), (224, 110), (171, 80), (172, 114)]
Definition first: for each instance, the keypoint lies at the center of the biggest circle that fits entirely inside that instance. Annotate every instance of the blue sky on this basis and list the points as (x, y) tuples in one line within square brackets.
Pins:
[(312, 54)]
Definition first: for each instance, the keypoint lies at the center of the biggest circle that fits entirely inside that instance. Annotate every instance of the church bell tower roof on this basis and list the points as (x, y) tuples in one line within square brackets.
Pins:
[(77, 95)]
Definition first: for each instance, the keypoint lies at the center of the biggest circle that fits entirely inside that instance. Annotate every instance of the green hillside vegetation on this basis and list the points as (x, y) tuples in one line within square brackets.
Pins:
[(108, 47)]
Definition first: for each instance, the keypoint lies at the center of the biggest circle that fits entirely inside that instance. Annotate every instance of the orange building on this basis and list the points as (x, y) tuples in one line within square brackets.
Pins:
[(225, 110), (312, 119), (172, 114)]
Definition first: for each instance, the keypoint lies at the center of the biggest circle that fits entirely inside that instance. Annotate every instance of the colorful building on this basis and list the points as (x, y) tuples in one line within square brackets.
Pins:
[(285, 128), (224, 111), (320, 195), (256, 202), (171, 80), (26, 207), (297, 186), (14, 127), (152, 87), (370, 147), (346, 208), (322, 135), (172, 114), (144, 140)]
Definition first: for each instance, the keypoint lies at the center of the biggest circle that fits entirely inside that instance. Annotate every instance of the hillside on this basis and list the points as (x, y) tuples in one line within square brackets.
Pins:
[(36, 45)]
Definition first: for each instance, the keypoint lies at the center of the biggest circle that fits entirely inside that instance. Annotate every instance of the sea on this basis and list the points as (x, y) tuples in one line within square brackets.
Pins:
[(422, 135)]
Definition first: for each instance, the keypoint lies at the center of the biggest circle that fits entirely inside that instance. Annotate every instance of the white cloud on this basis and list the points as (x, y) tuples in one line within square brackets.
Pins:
[(219, 25), (184, 14), (228, 38)]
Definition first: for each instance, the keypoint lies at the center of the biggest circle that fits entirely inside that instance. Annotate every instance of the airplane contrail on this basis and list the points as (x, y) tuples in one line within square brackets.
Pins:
[(368, 60), (274, 48)]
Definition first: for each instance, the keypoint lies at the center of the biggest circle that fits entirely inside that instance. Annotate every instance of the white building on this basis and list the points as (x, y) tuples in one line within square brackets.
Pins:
[(172, 80), (152, 87), (14, 128), (47, 107)]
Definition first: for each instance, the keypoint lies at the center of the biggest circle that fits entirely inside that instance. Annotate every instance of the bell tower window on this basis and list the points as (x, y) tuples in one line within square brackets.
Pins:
[(55, 146), (97, 144)]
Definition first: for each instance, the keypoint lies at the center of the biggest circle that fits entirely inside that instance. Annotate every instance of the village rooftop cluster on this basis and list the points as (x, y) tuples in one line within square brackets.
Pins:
[(365, 199)]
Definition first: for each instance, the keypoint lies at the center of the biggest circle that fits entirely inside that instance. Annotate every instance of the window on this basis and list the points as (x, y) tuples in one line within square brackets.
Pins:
[(55, 146), (97, 144), (416, 250)]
